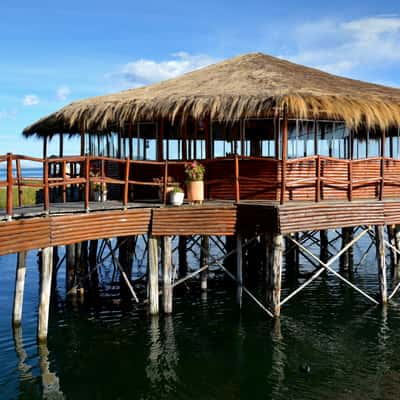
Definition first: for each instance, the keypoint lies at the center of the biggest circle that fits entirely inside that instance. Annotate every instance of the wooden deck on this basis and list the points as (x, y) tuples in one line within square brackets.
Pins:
[(67, 223)]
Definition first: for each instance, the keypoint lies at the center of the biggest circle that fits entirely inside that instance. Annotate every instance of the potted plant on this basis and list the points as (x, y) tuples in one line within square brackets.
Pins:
[(176, 196), (169, 187), (194, 172)]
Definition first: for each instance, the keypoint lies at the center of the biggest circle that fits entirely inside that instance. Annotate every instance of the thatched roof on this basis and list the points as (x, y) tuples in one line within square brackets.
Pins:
[(251, 85)]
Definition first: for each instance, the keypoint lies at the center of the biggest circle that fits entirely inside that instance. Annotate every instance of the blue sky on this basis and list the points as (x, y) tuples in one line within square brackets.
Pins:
[(53, 53)]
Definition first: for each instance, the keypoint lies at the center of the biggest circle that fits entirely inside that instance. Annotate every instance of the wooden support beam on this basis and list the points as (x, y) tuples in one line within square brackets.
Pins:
[(167, 275), (46, 274), (19, 288), (153, 274), (380, 255), (205, 245), (239, 269), (70, 269), (274, 274)]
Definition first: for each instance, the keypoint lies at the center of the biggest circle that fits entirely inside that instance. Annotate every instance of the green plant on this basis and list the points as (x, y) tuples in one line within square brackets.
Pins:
[(194, 171), (177, 189)]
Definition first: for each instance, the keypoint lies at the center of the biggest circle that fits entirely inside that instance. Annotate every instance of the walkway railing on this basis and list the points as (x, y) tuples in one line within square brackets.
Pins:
[(314, 178)]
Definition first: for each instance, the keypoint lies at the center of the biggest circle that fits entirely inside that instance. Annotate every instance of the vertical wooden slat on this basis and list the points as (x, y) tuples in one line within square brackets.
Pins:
[(382, 169), (9, 185), (160, 139), (64, 176), (87, 181), (46, 191), (318, 179), (237, 183), (208, 138), (284, 154), (184, 140), (126, 186), (19, 181), (165, 183)]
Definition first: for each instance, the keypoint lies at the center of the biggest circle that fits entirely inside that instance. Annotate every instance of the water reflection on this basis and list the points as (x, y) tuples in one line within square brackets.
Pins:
[(23, 367), (50, 382), (277, 375), (50, 385), (163, 356)]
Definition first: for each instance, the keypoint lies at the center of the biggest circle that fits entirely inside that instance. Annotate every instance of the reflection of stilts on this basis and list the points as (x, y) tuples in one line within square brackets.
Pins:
[(163, 356), (278, 359), (50, 382), (21, 353)]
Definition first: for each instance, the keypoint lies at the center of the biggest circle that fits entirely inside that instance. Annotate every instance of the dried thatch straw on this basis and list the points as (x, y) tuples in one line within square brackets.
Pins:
[(251, 85)]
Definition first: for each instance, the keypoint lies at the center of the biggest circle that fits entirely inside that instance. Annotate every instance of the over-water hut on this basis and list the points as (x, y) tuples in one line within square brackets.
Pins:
[(264, 127)]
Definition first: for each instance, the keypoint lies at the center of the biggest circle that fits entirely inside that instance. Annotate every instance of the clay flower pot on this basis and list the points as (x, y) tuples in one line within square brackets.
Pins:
[(195, 191)]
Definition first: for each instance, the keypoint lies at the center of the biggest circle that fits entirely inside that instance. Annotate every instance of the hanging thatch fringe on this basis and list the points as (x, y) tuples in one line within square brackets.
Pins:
[(253, 85)]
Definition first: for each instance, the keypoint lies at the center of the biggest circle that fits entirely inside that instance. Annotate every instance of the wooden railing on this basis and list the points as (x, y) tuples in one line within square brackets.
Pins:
[(314, 178)]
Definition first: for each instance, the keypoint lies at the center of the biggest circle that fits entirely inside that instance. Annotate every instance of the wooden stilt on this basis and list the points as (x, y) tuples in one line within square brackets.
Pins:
[(380, 255), (19, 288), (239, 269), (153, 274), (183, 266), (205, 245), (274, 275), (397, 245), (346, 259), (45, 292), (324, 241), (70, 269), (167, 275)]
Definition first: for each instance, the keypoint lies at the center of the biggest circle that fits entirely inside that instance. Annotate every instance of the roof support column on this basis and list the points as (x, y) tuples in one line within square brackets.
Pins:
[(284, 153)]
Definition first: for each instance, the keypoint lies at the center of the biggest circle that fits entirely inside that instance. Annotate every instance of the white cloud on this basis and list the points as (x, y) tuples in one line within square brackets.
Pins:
[(62, 93), (4, 114), (342, 47), (30, 100), (144, 71)]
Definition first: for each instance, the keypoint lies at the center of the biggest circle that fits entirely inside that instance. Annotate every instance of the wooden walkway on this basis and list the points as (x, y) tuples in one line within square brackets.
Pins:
[(67, 223)]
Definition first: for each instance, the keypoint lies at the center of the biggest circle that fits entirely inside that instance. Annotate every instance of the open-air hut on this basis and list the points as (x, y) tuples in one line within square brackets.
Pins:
[(264, 127)]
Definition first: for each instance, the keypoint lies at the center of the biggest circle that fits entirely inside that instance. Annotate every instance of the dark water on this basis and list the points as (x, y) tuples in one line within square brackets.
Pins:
[(207, 349)]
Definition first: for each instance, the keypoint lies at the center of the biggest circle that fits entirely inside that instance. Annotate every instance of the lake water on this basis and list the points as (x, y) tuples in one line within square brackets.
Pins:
[(207, 349)]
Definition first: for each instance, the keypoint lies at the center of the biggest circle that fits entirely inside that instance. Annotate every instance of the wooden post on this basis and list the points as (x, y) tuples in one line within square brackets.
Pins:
[(237, 183), (46, 191), (45, 291), (239, 269), (284, 154), (380, 255), (183, 265), (153, 274), (126, 187), (318, 179), (184, 140), (61, 145), (274, 274), (208, 138), (87, 182), (160, 140), (165, 182), (9, 186), (19, 181), (382, 181), (350, 179), (82, 140), (324, 243), (205, 245), (346, 260), (19, 288), (167, 275)]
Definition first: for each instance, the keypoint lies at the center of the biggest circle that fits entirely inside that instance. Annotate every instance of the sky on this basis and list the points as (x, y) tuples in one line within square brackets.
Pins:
[(53, 53)]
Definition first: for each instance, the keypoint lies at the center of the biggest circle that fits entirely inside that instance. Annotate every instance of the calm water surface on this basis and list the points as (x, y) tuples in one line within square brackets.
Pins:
[(206, 349)]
